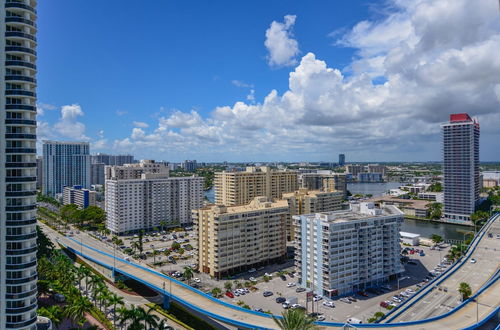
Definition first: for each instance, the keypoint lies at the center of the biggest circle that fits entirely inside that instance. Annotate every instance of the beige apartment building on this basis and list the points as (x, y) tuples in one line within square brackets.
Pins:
[(232, 239), (239, 188), (304, 201)]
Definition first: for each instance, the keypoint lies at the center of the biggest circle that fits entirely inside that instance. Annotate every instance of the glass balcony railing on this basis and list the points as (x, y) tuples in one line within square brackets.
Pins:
[(19, 20), (20, 92), (20, 122), (20, 107), (20, 136), (21, 63), (20, 78), (20, 6), (20, 35)]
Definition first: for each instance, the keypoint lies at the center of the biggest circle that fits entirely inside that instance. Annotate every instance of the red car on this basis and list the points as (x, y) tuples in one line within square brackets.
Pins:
[(384, 304), (229, 294)]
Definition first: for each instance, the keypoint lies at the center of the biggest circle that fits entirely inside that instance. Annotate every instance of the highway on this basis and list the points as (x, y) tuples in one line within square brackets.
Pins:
[(234, 315), (445, 295)]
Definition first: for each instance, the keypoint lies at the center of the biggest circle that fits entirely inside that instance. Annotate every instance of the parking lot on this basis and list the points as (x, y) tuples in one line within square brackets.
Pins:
[(363, 308)]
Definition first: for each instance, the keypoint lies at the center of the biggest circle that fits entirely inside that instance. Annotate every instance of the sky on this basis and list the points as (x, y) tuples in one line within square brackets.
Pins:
[(268, 80)]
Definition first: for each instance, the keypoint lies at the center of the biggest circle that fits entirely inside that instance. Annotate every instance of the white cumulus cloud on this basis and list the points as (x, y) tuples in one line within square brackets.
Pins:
[(282, 47)]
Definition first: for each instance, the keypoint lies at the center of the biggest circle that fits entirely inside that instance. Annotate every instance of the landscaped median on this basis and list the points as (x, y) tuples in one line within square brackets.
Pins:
[(182, 317)]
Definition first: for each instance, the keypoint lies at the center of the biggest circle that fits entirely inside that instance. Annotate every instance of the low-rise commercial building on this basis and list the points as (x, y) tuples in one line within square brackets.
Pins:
[(79, 196), (432, 196), (410, 238), (304, 201), (232, 239), (341, 252)]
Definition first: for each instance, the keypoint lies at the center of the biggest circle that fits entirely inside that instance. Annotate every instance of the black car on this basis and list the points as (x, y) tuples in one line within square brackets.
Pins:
[(267, 293), (280, 300), (283, 277)]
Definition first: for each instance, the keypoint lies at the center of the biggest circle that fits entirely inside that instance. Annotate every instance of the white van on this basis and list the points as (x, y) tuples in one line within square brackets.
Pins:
[(354, 320)]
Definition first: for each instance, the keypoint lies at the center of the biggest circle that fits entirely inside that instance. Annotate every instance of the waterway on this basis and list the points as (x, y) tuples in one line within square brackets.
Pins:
[(422, 227), (375, 189)]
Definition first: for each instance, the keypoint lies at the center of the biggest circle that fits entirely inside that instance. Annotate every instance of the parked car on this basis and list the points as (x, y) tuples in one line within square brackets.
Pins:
[(347, 301), (384, 304), (295, 306), (267, 293), (285, 305), (280, 300), (317, 298), (252, 270), (197, 280), (473, 261), (300, 290), (291, 284), (230, 294), (320, 318), (362, 293), (328, 303), (252, 279), (352, 299)]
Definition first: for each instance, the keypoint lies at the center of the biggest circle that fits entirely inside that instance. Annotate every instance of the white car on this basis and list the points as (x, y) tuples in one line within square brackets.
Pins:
[(296, 306), (347, 301), (252, 279), (267, 274), (317, 298), (252, 270), (197, 280), (328, 304), (321, 318), (290, 285), (473, 261)]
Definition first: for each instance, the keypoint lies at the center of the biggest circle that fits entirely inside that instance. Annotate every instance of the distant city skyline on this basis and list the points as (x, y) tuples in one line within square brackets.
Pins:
[(371, 79)]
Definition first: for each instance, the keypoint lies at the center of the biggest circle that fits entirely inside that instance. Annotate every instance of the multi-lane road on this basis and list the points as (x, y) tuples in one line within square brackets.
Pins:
[(427, 306)]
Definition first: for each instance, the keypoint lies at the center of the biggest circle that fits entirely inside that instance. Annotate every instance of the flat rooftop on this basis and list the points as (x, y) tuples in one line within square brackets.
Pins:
[(351, 215)]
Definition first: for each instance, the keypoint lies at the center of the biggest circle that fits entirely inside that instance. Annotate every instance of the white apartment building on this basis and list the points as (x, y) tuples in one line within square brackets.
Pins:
[(341, 252), (79, 196), (232, 239), (18, 165), (432, 196), (143, 196)]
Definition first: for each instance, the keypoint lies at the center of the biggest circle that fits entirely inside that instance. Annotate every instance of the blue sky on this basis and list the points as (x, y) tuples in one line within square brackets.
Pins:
[(263, 80)]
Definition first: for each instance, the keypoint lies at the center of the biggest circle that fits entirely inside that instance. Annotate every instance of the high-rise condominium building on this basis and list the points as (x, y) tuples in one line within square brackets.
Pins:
[(355, 169), (304, 201), (460, 167), (324, 180), (341, 159), (190, 165), (342, 252), (65, 164), (112, 159), (238, 188), (18, 243), (143, 196), (236, 238), (97, 173)]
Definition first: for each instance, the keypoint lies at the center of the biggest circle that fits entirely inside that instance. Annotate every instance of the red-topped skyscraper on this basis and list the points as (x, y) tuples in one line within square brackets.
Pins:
[(460, 167)]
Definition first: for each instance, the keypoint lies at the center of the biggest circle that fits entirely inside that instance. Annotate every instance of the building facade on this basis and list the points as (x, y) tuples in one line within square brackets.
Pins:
[(236, 238), (18, 239), (143, 196), (107, 159), (65, 164), (460, 167), (324, 181), (341, 252), (341, 159), (190, 165), (239, 188), (97, 173), (304, 201), (79, 196), (39, 172)]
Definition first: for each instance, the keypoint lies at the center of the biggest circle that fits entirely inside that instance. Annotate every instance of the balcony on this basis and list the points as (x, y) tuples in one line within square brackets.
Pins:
[(21, 266), (21, 151), (20, 49), (21, 295), (20, 92), (20, 237), (20, 107), (20, 122), (21, 324), (16, 223), (19, 165), (20, 136), (23, 64), (20, 310), (20, 193), (20, 35), (20, 208), (20, 6), (20, 20), (20, 78)]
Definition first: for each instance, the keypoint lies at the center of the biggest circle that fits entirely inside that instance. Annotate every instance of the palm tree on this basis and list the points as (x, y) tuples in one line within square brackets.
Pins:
[(295, 319), (77, 309), (114, 300), (228, 285), (465, 290), (216, 292), (163, 224), (54, 313), (163, 325), (150, 320), (188, 273), (135, 245), (103, 298), (238, 284)]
